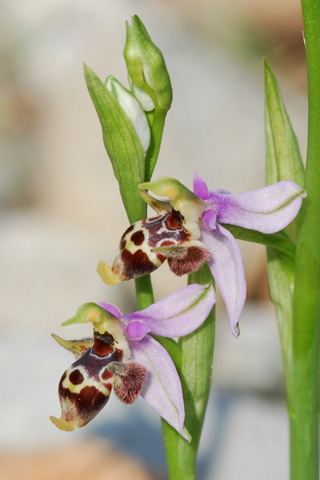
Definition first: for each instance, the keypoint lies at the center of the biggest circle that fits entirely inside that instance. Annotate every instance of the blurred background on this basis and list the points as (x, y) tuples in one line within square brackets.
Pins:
[(60, 212)]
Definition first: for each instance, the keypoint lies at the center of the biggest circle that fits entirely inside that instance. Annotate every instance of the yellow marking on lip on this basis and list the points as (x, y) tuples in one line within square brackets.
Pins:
[(62, 424), (87, 382), (106, 274)]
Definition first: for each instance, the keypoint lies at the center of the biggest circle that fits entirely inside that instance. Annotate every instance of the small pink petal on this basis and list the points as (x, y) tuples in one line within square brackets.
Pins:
[(136, 330), (200, 187), (111, 309)]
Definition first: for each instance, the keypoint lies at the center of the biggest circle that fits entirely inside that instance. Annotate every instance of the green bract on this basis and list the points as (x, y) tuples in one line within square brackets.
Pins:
[(122, 143), (283, 161), (132, 108)]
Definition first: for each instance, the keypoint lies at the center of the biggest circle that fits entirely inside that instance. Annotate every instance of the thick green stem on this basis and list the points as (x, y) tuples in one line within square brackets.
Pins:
[(304, 395), (196, 370)]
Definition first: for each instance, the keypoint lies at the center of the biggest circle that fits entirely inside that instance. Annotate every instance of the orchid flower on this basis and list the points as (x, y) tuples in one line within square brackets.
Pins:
[(188, 231), (124, 356)]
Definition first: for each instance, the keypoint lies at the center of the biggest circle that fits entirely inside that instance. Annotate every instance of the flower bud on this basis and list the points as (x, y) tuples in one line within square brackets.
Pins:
[(132, 108), (143, 98), (146, 65)]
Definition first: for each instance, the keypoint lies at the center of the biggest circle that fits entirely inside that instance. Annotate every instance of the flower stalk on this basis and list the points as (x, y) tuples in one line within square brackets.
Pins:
[(304, 401)]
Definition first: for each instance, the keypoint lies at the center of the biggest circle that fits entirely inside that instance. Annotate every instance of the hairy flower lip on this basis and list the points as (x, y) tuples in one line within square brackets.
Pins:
[(146, 361)]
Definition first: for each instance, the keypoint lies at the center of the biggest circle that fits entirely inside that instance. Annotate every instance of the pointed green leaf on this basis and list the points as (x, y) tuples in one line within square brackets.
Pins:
[(283, 162), (283, 158), (122, 144), (281, 281)]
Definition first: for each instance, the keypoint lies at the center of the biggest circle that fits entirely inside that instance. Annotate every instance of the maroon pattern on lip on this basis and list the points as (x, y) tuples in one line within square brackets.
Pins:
[(149, 234)]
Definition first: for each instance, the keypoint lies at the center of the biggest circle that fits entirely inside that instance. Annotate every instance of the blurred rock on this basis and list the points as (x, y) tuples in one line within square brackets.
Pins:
[(252, 439), (253, 29), (87, 460), (61, 212), (252, 362), (48, 271)]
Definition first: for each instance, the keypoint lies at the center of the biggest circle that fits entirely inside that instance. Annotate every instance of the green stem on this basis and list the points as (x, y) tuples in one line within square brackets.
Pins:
[(144, 292), (195, 373), (152, 154), (304, 395)]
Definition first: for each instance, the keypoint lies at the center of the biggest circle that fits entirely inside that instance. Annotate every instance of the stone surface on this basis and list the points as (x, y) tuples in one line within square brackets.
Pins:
[(87, 460)]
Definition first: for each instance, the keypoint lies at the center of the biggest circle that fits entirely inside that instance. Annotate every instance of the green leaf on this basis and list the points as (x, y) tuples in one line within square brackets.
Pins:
[(283, 156), (279, 241), (283, 162), (173, 348), (281, 282), (122, 144), (195, 374)]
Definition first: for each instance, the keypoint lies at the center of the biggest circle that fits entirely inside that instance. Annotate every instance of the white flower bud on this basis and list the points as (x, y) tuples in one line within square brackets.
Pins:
[(132, 109), (144, 99)]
